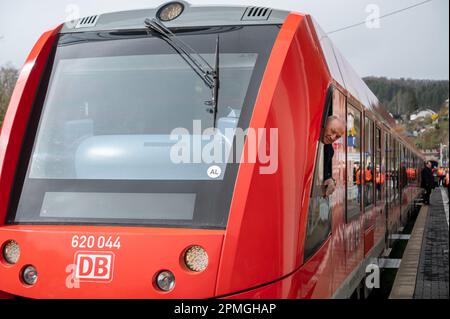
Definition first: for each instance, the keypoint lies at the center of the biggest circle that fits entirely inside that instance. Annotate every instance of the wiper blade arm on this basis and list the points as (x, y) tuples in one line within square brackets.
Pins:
[(207, 73), (216, 81)]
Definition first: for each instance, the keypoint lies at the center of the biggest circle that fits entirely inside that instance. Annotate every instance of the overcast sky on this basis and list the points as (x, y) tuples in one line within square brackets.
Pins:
[(413, 43)]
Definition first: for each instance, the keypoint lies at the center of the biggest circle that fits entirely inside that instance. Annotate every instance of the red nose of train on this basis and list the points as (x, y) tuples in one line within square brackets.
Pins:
[(86, 143), (72, 262)]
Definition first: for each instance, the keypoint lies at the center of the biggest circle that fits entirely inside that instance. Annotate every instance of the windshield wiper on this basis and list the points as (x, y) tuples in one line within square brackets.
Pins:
[(215, 95), (203, 69)]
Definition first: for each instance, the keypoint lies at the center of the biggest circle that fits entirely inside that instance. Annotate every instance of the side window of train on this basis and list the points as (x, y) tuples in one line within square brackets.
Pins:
[(387, 155), (318, 227), (414, 169), (379, 166), (391, 169), (354, 170), (368, 179), (394, 169), (397, 170), (408, 167), (402, 169)]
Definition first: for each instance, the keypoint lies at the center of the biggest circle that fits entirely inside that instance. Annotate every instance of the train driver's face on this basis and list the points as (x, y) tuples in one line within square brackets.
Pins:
[(334, 129)]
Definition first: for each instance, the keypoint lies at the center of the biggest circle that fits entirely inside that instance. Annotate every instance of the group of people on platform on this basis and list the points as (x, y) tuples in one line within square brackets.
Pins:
[(428, 181)]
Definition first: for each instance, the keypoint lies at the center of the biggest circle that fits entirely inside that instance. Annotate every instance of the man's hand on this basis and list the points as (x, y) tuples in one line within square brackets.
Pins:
[(329, 186)]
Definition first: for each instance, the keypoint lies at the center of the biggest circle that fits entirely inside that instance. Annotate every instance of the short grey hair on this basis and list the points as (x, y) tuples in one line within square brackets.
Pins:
[(335, 117)]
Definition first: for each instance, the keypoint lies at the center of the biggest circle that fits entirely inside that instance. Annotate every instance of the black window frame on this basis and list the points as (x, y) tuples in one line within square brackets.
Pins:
[(223, 195)]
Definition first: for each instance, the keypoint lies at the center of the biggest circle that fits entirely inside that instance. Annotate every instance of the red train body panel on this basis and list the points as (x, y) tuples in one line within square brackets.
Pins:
[(261, 252)]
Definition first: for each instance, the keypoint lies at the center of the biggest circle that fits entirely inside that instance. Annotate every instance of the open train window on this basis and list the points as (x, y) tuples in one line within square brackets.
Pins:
[(318, 227)]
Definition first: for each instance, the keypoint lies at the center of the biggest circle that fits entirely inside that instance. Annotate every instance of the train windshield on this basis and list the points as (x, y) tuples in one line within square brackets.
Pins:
[(118, 129)]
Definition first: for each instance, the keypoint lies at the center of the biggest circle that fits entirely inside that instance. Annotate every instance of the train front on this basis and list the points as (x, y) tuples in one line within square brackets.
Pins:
[(120, 155)]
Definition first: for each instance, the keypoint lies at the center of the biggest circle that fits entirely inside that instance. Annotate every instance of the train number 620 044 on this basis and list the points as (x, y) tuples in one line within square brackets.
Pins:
[(83, 241)]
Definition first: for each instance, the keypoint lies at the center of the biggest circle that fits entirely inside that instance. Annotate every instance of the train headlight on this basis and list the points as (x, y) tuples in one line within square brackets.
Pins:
[(170, 11), (11, 252), (165, 280), (29, 275), (196, 258)]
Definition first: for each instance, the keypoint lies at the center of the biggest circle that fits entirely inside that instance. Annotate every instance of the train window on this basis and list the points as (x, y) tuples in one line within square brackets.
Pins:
[(393, 169), (387, 156), (368, 179), (408, 167), (414, 169), (104, 142), (92, 135), (318, 227), (379, 166), (395, 166), (401, 168), (392, 177), (397, 170), (354, 174)]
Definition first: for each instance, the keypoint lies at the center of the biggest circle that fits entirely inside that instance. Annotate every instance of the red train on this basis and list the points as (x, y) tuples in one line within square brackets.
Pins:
[(93, 206)]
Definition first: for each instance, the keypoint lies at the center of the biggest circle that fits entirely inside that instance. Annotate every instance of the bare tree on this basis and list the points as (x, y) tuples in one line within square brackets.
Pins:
[(8, 78)]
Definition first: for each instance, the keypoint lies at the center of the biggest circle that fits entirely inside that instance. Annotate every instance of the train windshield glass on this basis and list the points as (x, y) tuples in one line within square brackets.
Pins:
[(126, 132)]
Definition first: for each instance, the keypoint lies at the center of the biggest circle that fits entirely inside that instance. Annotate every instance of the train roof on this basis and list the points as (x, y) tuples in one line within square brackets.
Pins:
[(191, 16)]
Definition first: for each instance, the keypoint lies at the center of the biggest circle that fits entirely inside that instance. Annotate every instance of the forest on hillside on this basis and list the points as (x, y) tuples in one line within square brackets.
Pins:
[(404, 96)]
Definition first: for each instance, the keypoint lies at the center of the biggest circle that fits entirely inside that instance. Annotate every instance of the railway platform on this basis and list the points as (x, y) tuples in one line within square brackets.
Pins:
[(424, 269)]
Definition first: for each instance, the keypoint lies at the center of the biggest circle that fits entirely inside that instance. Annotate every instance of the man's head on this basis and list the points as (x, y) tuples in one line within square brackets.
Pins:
[(428, 164), (334, 129)]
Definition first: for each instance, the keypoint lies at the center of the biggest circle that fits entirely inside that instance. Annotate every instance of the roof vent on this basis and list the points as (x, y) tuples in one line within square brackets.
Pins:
[(256, 14), (87, 22)]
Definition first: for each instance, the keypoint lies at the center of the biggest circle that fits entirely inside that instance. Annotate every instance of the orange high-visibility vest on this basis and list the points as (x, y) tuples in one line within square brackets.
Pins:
[(379, 179), (368, 176), (358, 177)]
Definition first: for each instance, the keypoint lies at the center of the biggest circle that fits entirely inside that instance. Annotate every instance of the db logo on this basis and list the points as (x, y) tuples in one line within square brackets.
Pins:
[(94, 266)]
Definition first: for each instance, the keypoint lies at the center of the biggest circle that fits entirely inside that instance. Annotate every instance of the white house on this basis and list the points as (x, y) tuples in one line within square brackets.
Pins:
[(423, 113)]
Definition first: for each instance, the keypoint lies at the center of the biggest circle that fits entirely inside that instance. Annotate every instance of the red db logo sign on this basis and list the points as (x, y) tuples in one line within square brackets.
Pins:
[(94, 266)]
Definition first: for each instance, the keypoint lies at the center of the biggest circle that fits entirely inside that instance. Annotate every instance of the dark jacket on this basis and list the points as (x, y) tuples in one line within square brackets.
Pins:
[(427, 178), (328, 161)]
